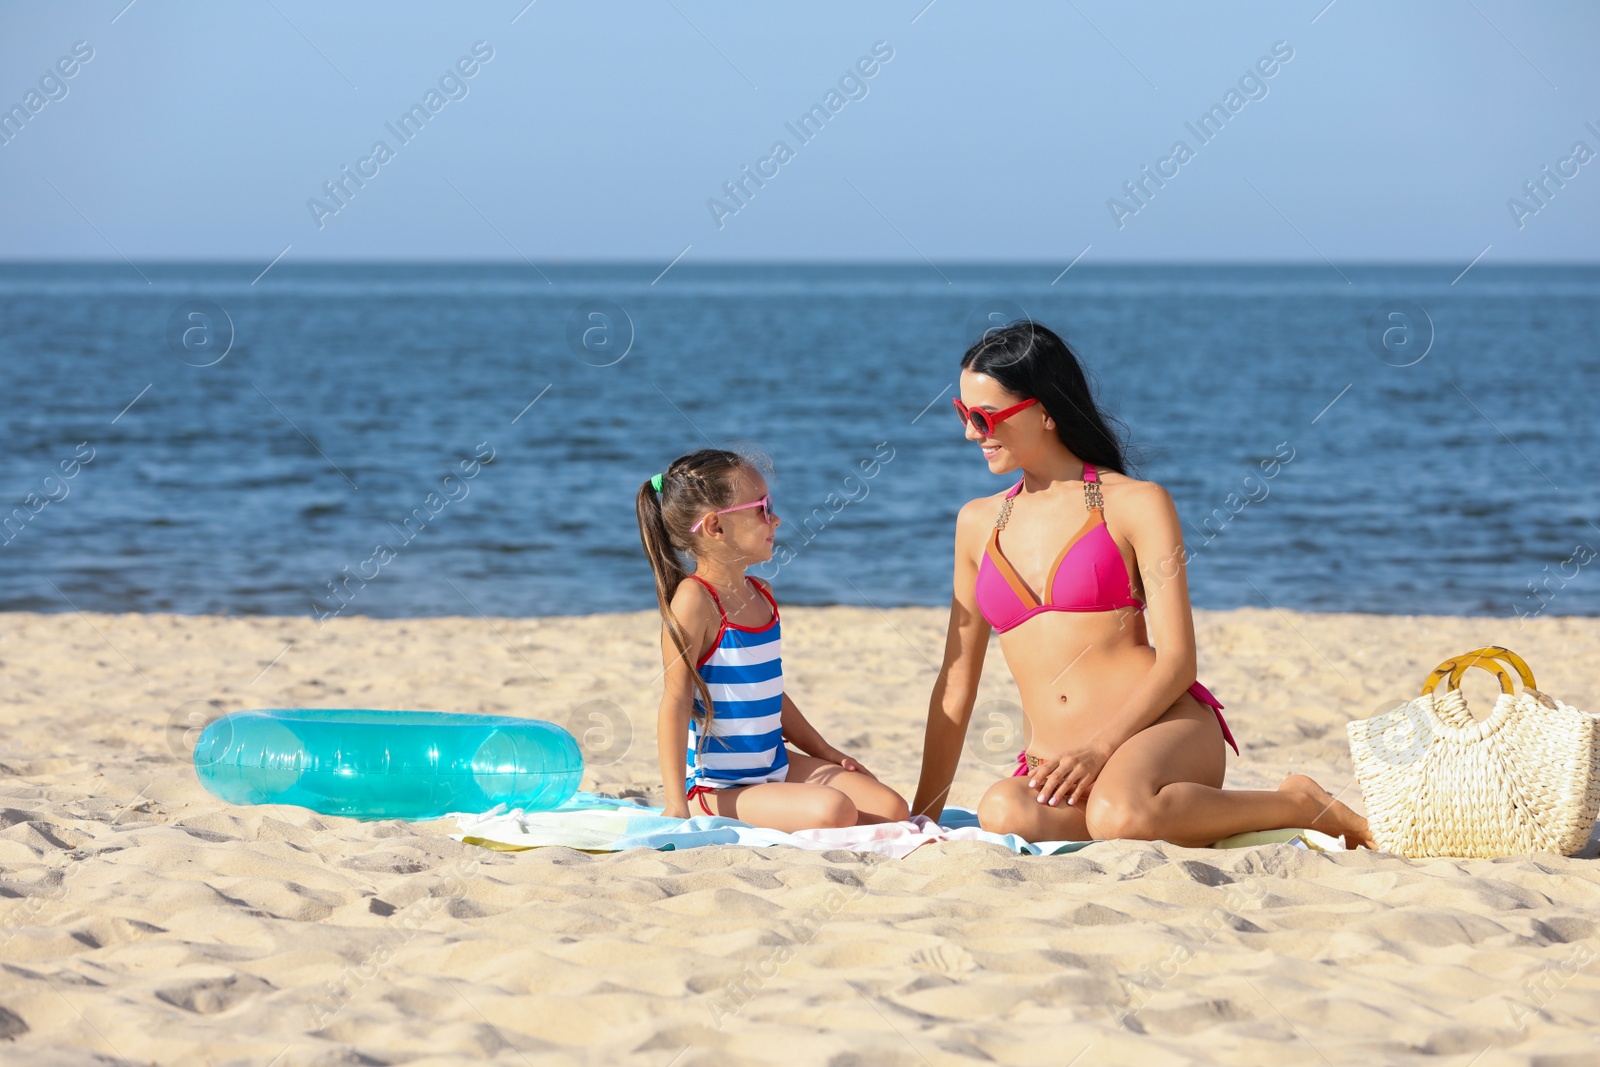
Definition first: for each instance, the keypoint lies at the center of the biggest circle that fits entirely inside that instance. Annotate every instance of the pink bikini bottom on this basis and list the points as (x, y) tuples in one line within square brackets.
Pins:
[(1201, 693)]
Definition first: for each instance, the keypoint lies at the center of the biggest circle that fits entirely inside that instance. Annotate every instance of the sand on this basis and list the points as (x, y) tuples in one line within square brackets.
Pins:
[(143, 921)]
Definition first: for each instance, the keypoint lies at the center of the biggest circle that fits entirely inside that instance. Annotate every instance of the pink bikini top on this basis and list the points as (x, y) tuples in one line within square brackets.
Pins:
[(1088, 575)]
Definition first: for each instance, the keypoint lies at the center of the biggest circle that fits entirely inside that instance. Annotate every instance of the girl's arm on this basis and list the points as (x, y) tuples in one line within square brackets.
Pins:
[(798, 731), (677, 695), (966, 641)]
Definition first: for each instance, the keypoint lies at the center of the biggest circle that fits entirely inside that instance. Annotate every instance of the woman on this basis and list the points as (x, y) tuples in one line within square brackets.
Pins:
[(1125, 742)]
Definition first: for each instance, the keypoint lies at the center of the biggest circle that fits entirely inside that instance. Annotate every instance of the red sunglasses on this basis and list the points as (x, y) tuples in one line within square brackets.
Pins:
[(983, 421)]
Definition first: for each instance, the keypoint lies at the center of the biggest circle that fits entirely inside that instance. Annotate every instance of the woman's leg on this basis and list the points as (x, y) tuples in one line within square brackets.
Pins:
[(874, 801), (1164, 784), (1011, 807)]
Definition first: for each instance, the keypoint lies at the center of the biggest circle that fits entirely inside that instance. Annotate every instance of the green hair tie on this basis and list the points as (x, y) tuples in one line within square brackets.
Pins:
[(655, 482)]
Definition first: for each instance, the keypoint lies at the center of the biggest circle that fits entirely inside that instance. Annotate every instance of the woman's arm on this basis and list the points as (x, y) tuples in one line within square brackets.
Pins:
[(966, 641), (692, 609), (1147, 512), (1157, 539)]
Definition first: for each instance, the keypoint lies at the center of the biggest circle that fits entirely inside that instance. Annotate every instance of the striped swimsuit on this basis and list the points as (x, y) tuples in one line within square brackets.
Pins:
[(744, 672)]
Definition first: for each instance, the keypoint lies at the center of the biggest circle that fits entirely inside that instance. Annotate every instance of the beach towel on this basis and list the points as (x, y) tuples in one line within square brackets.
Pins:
[(593, 822)]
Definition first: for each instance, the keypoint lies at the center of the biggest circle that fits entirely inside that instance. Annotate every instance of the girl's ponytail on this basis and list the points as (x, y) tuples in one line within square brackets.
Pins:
[(668, 505), (667, 566)]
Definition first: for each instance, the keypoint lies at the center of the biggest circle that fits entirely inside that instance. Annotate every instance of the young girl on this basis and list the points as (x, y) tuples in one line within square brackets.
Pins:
[(724, 711)]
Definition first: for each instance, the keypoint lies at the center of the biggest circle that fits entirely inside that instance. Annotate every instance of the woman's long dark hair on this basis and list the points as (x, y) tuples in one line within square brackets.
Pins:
[(1030, 360)]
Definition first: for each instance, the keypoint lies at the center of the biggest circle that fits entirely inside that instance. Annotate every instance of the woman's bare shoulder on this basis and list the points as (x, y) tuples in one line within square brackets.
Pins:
[(1136, 500), (979, 512)]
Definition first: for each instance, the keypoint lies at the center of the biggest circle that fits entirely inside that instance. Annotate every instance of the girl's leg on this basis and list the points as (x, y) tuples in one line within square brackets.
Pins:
[(786, 806), (817, 796), (874, 801)]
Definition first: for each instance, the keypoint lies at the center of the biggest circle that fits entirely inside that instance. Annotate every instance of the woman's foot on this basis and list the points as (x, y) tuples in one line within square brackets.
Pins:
[(1332, 817)]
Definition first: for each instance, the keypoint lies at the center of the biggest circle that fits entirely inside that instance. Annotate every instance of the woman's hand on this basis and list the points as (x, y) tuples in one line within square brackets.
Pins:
[(1069, 776), (675, 813)]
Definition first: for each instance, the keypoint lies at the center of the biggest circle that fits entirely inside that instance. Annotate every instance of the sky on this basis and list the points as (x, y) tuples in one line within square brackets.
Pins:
[(1383, 132)]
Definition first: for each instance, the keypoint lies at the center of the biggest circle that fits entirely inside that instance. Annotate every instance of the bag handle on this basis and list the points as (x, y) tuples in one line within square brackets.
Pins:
[(1494, 652), (1453, 668), (1497, 652), (1449, 716)]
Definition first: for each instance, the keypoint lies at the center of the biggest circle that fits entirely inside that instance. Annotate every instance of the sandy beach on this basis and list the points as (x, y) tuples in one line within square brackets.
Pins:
[(143, 921)]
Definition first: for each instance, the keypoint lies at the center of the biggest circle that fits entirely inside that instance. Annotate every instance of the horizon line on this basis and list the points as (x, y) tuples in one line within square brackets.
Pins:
[(787, 262)]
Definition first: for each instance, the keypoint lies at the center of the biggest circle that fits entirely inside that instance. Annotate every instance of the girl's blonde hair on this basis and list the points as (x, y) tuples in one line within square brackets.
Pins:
[(691, 486)]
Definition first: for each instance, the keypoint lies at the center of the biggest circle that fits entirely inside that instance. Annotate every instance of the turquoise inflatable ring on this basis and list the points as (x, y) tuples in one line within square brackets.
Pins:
[(387, 764)]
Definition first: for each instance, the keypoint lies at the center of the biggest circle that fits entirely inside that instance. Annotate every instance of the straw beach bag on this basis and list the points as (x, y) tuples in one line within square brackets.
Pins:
[(1439, 783)]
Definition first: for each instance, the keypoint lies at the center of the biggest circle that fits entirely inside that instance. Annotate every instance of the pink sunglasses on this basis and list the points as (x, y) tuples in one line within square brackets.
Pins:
[(765, 504)]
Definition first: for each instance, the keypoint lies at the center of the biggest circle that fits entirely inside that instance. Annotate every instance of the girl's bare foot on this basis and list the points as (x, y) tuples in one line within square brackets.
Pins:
[(1332, 817)]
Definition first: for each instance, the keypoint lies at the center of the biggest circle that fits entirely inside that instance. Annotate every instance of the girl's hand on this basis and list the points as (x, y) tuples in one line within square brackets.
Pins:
[(1069, 776), (670, 812), (851, 765)]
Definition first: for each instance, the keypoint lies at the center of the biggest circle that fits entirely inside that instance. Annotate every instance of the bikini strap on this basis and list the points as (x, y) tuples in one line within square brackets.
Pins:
[(763, 591), (1005, 506), (715, 599), (718, 600), (1091, 489)]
